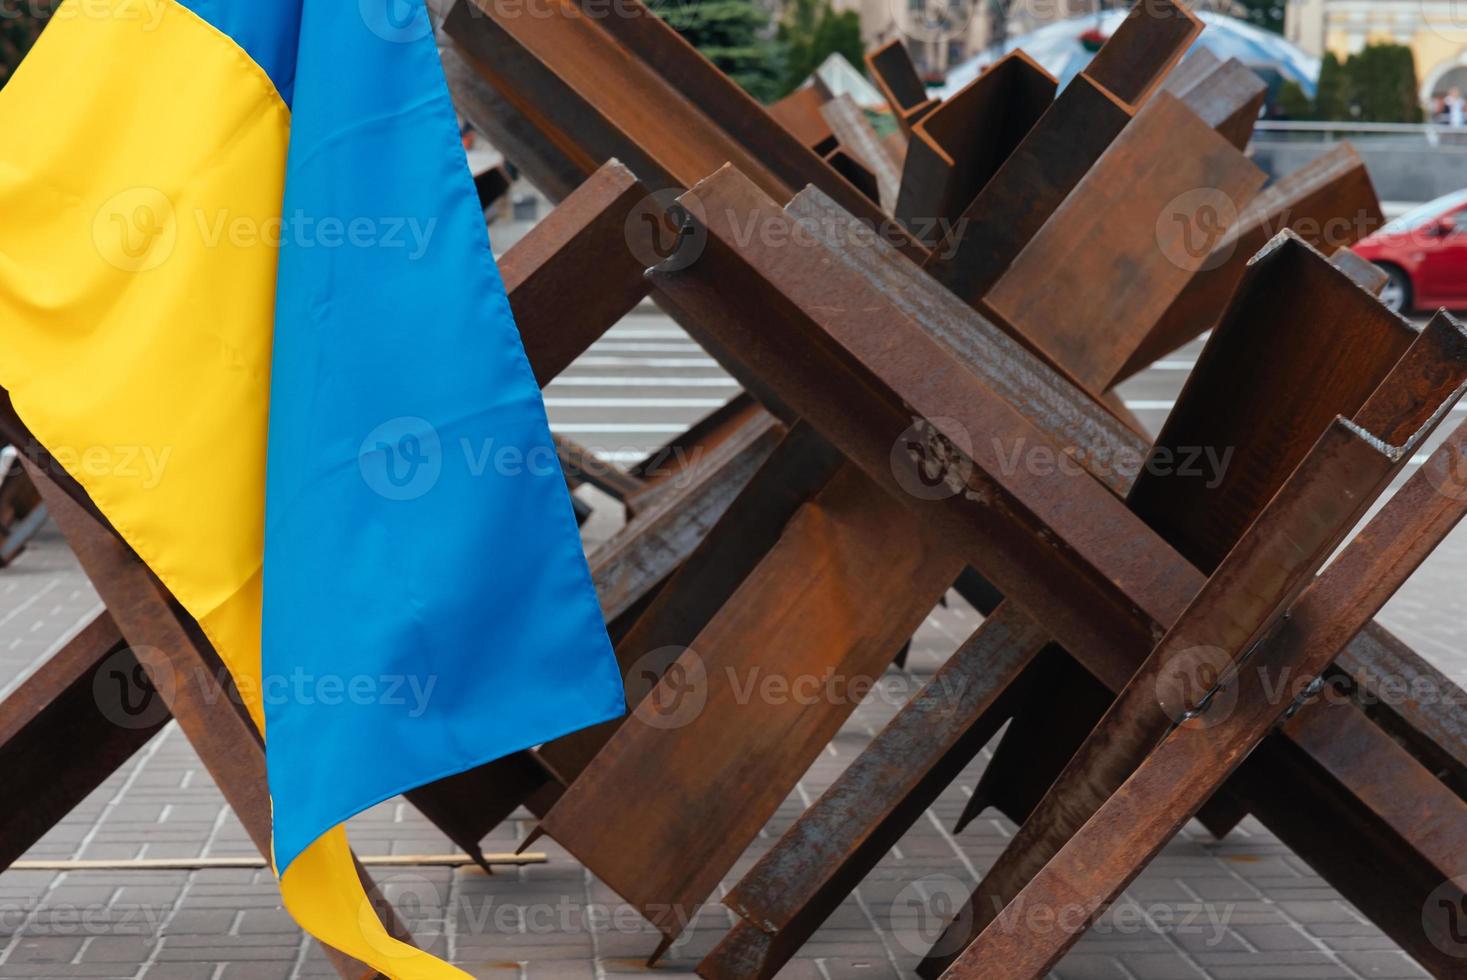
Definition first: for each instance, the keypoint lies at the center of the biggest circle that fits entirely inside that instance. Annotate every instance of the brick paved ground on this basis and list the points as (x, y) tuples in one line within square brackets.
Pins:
[(1245, 907)]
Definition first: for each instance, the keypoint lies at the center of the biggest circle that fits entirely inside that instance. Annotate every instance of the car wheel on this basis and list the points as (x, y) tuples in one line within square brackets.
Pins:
[(1396, 293)]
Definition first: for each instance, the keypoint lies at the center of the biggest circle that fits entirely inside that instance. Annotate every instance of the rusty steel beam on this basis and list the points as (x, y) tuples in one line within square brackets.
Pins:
[(582, 248), (664, 810), (544, 164), (854, 133), (890, 66), (1197, 658), (69, 726), (1062, 148), (1057, 152), (854, 170), (1310, 512), (799, 112), (955, 149), (830, 363), (1428, 372), (793, 473), (585, 83), (1128, 238), (1407, 697), (582, 465), (1137, 57), (184, 670), (1001, 363), (670, 462), (1328, 202), (467, 805), (639, 557), (1063, 705), (846, 401), (1228, 98), (1372, 789), (1192, 69), (1363, 272), (819, 860), (1341, 789), (1041, 171), (1300, 345), (835, 843), (21, 512)]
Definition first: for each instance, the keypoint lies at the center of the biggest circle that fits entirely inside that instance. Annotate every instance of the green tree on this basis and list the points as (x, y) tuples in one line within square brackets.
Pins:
[(20, 25), (1378, 84), (1293, 102), (733, 34), (1332, 94), (811, 31), (1383, 84)]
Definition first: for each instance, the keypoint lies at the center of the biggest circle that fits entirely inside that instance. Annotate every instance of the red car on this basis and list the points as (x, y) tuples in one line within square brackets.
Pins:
[(1425, 253)]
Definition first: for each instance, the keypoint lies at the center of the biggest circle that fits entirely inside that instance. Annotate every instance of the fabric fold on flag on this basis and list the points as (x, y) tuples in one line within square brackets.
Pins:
[(370, 524)]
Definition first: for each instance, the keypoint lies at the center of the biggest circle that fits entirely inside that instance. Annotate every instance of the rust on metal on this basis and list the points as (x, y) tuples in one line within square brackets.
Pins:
[(580, 249), (1329, 202), (185, 672), (741, 713), (1041, 171), (1228, 98), (799, 112), (855, 134), (21, 512), (890, 66), (1152, 38), (1300, 344), (554, 70), (67, 727), (873, 802), (795, 470), (958, 146), (1124, 274), (1184, 768), (1063, 704)]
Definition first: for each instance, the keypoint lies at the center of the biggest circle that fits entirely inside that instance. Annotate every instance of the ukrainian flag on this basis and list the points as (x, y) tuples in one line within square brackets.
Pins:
[(240, 235)]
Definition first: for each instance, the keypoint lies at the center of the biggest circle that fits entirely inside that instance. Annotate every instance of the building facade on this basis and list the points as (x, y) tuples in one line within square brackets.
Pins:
[(1434, 30), (942, 33)]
